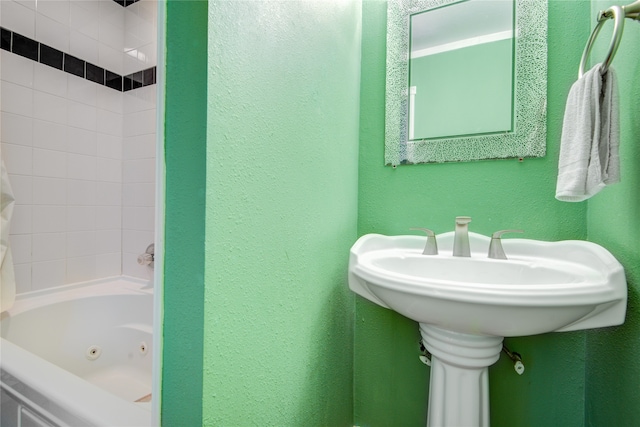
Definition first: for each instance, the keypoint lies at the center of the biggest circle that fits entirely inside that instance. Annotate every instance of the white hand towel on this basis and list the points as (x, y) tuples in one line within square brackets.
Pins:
[(590, 137)]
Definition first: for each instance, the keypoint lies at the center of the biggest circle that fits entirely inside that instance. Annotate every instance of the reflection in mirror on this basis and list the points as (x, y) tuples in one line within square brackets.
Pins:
[(464, 88), (461, 69)]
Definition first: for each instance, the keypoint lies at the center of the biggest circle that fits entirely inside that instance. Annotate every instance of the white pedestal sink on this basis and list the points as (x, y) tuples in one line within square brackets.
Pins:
[(465, 306)]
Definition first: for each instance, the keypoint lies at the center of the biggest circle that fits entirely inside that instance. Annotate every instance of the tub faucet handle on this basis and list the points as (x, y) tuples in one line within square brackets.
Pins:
[(431, 248), (147, 257), (495, 247)]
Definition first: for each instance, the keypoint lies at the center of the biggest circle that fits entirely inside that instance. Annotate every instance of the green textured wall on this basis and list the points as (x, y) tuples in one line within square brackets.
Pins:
[(613, 369), (281, 190), (446, 81), (390, 382), (281, 214), (185, 145)]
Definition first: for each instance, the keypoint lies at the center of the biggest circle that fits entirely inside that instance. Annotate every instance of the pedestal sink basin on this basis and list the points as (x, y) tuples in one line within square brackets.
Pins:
[(466, 305)]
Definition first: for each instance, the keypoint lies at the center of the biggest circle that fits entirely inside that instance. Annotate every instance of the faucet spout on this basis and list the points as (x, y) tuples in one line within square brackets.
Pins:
[(461, 237)]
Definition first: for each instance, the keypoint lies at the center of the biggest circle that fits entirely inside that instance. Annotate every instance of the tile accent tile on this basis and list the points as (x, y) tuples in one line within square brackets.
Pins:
[(125, 3), (113, 80), (5, 37), (149, 76), (95, 73), (24, 46), (73, 65), (47, 55), (51, 57), (127, 83), (137, 79)]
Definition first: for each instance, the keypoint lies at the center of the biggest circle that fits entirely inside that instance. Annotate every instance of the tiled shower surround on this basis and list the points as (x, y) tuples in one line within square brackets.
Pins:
[(80, 155)]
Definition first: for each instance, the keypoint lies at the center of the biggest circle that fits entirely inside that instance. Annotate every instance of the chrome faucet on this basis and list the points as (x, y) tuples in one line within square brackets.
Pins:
[(431, 248), (495, 247), (461, 237), (148, 257)]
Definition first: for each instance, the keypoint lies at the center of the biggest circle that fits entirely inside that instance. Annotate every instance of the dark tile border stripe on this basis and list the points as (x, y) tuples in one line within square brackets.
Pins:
[(125, 3), (47, 55)]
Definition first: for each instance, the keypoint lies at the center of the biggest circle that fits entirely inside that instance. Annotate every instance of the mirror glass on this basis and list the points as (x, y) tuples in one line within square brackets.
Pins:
[(466, 80), (461, 69)]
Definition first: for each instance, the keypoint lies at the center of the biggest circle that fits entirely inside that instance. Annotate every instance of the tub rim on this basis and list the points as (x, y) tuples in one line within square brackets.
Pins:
[(69, 395), (118, 285), (87, 402)]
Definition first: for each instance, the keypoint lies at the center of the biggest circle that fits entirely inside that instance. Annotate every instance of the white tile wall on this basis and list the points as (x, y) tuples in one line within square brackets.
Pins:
[(83, 91), (50, 80), (49, 163), (21, 98), (17, 69), (139, 36), (82, 141), (19, 160), (81, 192), (16, 129), (49, 191), (138, 177), (108, 265), (55, 33), (22, 186), (49, 135), (47, 246), (21, 248), (18, 17), (22, 220), (84, 17), (58, 10), (48, 274), (83, 46), (49, 219), (49, 107), (80, 156)]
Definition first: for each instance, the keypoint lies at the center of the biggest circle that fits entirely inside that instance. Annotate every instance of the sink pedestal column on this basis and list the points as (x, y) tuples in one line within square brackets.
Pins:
[(459, 388)]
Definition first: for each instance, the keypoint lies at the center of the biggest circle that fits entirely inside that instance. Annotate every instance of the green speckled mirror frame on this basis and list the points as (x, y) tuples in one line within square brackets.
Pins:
[(529, 136)]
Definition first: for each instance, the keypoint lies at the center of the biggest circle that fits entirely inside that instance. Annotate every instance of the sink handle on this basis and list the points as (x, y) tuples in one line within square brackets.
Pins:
[(495, 247), (431, 248)]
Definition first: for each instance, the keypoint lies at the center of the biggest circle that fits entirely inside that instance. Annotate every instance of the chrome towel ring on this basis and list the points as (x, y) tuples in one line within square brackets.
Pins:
[(618, 13), (618, 27)]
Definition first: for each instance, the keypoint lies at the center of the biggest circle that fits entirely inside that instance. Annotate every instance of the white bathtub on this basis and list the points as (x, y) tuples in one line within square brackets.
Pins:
[(78, 355)]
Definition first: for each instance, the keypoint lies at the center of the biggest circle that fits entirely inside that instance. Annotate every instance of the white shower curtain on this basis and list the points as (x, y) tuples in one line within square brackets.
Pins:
[(7, 277)]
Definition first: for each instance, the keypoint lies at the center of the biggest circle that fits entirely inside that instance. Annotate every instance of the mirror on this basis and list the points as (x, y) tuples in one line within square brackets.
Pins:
[(460, 86), (461, 69)]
